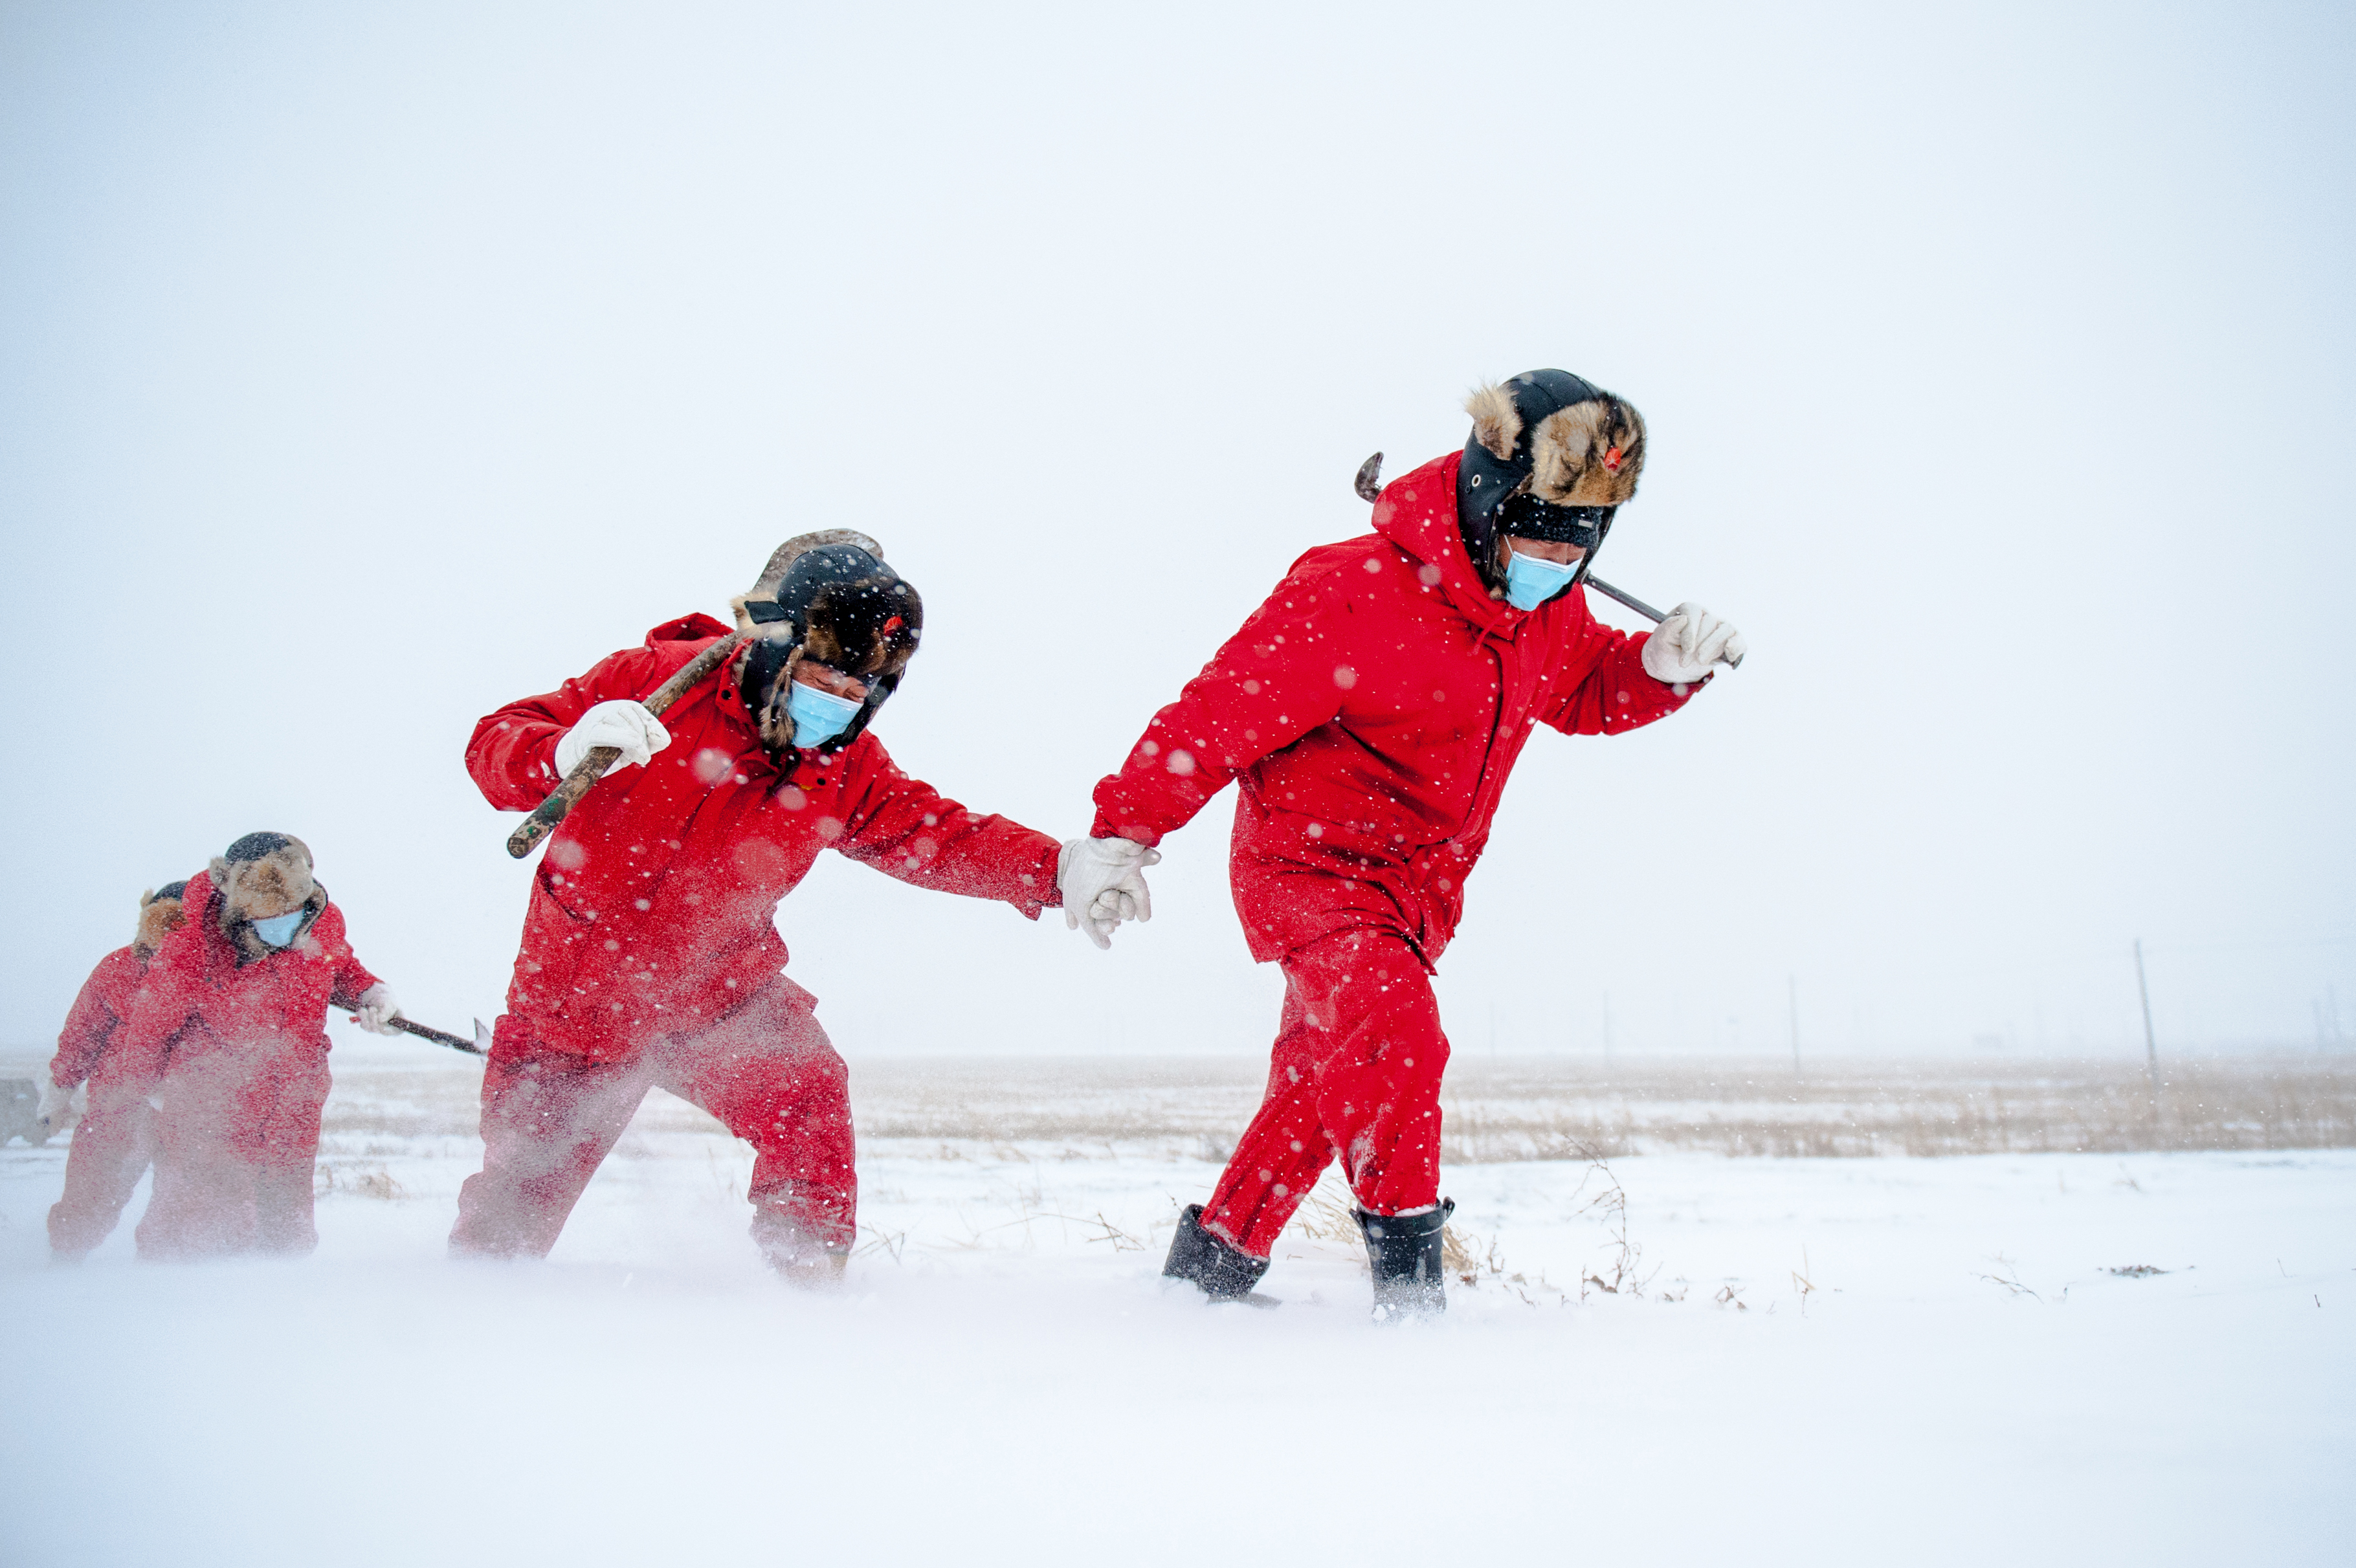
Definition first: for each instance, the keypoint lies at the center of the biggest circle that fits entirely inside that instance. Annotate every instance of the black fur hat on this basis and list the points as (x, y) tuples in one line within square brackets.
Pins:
[(827, 597), (1552, 456)]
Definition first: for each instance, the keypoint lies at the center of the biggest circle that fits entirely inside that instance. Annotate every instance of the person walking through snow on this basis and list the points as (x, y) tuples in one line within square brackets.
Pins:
[(227, 1033), (110, 1149), (1371, 711), (650, 954)]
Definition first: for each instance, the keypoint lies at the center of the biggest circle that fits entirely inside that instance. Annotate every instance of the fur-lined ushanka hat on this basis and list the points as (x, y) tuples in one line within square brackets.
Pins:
[(263, 875), (159, 916), (1564, 452), (827, 597)]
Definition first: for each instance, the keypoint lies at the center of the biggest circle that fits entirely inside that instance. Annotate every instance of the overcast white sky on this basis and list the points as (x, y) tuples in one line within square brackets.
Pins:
[(362, 368)]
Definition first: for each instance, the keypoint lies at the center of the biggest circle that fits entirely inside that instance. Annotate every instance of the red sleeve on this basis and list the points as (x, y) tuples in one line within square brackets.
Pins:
[(352, 976), (511, 756), (94, 1017), (907, 828), (1268, 686), (1616, 693)]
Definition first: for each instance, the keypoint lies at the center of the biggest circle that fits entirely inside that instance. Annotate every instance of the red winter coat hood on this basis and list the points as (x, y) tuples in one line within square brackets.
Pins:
[(1371, 711), (1429, 536), (653, 911)]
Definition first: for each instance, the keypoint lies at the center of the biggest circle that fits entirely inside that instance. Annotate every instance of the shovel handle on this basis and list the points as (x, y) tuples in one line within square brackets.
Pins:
[(591, 768), (561, 799)]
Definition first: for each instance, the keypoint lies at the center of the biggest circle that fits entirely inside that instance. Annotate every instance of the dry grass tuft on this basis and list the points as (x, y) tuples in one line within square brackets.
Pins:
[(356, 1181)]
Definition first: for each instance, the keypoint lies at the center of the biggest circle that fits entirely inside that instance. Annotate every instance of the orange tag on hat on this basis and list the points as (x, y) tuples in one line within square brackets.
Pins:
[(1612, 459)]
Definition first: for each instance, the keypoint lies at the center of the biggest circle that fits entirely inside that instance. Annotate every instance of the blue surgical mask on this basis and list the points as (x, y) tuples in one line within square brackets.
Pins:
[(279, 929), (1530, 583), (820, 716)]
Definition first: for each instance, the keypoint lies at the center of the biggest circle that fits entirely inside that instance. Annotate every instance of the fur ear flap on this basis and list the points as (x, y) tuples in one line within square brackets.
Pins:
[(762, 630), (1588, 454), (1496, 423), (158, 918)]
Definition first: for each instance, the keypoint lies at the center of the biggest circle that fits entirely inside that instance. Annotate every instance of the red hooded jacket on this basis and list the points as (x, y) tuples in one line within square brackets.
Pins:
[(97, 1012), (1372, 709), (655, 909), (195, 980)]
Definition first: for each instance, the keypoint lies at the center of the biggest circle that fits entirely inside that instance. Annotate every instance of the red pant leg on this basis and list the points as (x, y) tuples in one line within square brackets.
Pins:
[(286, 1159), (549, 1120), (235, 1145), (1356, 1073), (111, 1146), (768, 1073), (1285, 1148)]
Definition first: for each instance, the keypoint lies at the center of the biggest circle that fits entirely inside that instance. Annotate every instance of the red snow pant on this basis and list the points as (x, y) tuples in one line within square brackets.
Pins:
[(109, 1153), (235, 1144), (1356, 1073), (765, 1072)]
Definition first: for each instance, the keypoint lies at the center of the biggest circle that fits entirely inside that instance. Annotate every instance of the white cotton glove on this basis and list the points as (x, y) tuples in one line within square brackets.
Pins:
[(621, 723), (1103, 883), (56, 1111), (1683, 647), (377, 1010)]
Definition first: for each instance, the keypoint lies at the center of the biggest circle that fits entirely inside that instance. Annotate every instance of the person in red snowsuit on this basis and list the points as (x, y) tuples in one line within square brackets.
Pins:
[(1371, 711), (650, 954), (110, 1149), (227, 1033)]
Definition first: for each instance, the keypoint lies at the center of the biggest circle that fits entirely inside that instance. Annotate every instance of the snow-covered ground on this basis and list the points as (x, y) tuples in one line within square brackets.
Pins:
[(1842, 1360)]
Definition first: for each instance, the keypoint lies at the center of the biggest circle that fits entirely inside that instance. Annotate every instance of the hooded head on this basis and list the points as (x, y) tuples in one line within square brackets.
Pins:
[(1552, 457), (266, 877), (826, 597), (159, 916)]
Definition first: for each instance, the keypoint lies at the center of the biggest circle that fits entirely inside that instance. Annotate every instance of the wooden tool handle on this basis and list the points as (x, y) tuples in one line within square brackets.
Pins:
[(591, 768)]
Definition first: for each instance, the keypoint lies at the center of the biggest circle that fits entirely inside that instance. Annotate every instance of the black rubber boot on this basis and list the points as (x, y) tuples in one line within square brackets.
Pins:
[(1224, 1272), (1403, 1251)]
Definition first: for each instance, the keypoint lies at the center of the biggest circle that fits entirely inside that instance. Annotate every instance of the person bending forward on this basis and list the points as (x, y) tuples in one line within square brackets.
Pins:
[(111, 1148), (650, 954), (1371, 710), (229, 1033)]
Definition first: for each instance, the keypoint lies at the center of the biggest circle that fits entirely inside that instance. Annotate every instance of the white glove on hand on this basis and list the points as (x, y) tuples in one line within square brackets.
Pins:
[(1683, 647), (621, 723), (56, 1112), (376, 1008), (1103, 883)]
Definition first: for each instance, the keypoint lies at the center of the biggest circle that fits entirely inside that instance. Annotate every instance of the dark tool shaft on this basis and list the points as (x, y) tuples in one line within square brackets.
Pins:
[(1638, 605), (437, 1036), (591, 768)]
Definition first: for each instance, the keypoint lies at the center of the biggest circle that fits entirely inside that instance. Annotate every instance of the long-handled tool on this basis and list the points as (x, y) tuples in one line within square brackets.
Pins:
[(1639, 606), (479, 1046), (591, 768)]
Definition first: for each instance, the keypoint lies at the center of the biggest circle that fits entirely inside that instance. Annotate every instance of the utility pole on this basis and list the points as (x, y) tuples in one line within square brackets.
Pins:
[(2150, 1041), (1793, 982), (1607, 1031)]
